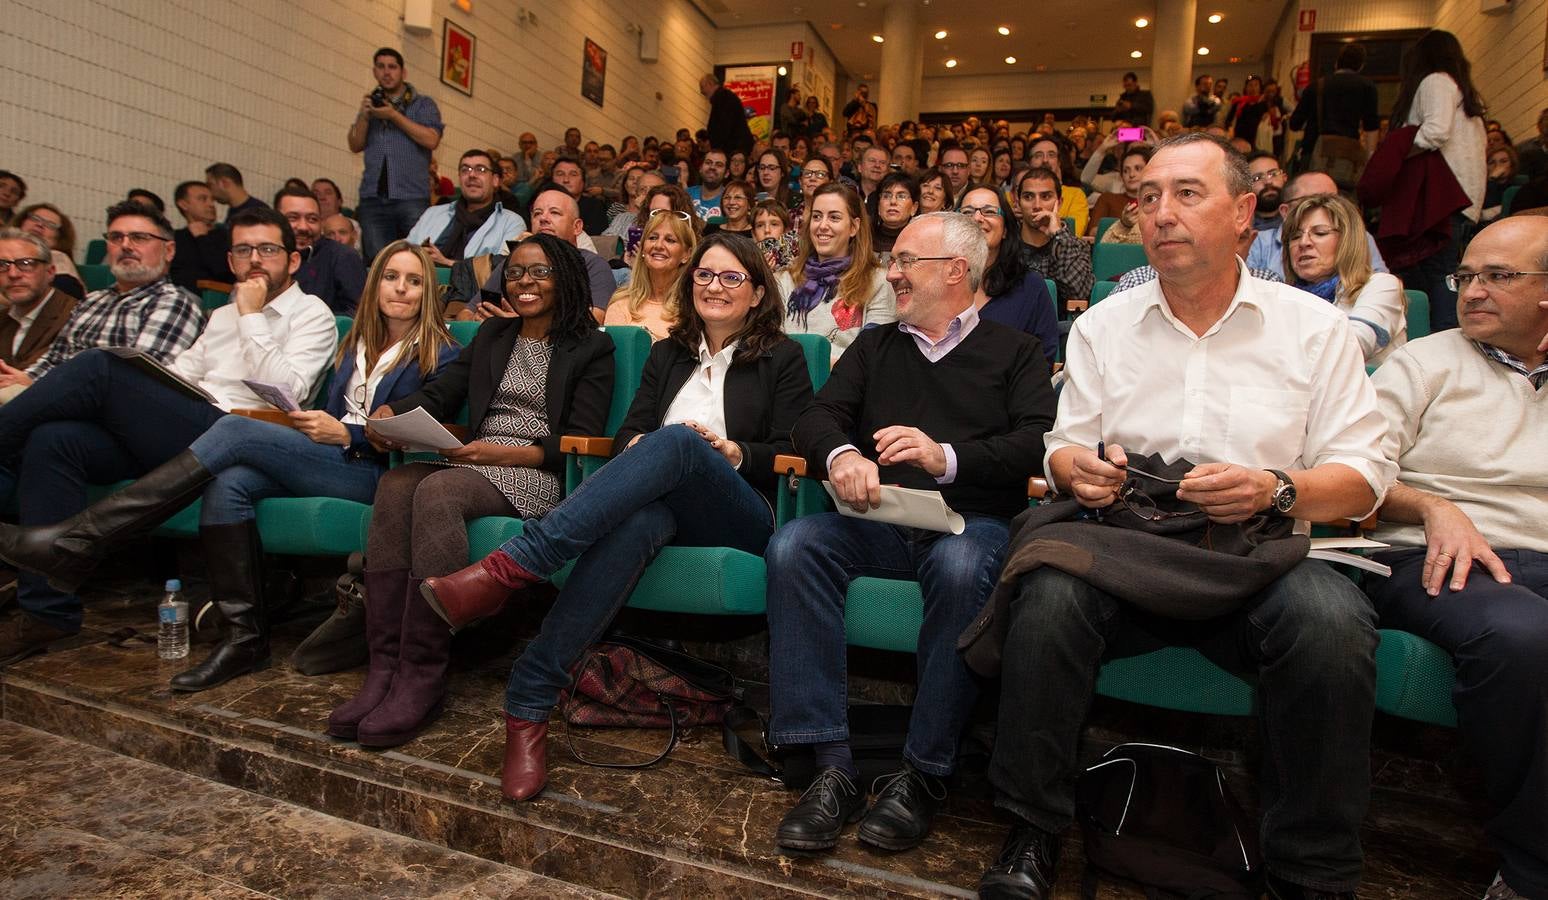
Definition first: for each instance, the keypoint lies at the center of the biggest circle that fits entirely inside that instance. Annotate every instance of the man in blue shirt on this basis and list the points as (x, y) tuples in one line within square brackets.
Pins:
[(712, 182), (476, 224), (396, 128), (1268, 249)]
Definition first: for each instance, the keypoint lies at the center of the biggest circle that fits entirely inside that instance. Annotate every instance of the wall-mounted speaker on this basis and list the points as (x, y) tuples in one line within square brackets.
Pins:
[(418, 16), (650, 43)]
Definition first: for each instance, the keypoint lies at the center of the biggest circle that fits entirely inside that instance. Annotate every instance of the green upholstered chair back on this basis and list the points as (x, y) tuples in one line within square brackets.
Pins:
[(1418, 314), (96, 277), (1102, 226), (1108, 260), (819, 356), (96, 251), (1508, 199), (1100, 290), (631, 344), (213, 300), (462, 331), (1053, 293), (443, 274)]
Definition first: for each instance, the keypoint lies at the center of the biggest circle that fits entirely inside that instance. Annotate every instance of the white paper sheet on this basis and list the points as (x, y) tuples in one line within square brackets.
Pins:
[(276, 395), (905, 506), (1335, 550), (416, 430)]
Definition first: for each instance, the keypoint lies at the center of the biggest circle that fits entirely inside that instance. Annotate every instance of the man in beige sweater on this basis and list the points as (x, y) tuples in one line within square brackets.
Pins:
[(1468, 426)]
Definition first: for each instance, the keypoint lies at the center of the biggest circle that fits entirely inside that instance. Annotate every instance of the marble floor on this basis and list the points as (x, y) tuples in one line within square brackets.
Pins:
[(695, 825)]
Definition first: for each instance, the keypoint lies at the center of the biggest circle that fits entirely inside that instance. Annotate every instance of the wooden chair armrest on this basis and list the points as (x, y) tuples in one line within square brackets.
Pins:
[(278, 417), (1078, 305), (586, 446), (206, 284), (1038, 488), (790, 464)]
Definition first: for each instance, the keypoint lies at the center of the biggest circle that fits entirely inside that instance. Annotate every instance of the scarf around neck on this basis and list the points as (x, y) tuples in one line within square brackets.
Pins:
[(821, 279), (1327, 288)]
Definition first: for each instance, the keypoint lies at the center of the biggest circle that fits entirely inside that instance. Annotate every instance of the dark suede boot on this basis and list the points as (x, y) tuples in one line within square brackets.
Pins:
[(66, 552), (418, 692), (234, 556), (385, 594)]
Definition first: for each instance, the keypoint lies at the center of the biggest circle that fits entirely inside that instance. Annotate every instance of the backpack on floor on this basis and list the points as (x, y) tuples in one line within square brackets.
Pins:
[(1164, 819)]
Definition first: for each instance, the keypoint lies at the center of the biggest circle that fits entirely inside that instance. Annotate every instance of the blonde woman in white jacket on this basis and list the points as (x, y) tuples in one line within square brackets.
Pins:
[(1326, 255)]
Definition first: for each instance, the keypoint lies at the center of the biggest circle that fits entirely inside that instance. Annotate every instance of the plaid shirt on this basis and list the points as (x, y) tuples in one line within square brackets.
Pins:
[(408, 164), (1535, 376), (159, 318), (1067, 260)]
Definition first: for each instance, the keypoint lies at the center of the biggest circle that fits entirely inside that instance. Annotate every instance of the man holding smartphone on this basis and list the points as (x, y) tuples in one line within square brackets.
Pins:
[(1050, 247), (396, 128)]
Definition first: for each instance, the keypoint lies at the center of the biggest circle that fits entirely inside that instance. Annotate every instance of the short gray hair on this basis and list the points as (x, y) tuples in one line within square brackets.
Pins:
[(16, 234), (961, 236), (1238, 177)]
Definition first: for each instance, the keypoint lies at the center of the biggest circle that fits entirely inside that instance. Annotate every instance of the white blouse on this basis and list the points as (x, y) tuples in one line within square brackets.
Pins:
[(362, 385)]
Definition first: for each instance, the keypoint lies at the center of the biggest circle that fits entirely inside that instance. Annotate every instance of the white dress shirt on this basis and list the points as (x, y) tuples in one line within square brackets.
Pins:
[(24, 322), (1277, 383), (702, 398), (288, 342)]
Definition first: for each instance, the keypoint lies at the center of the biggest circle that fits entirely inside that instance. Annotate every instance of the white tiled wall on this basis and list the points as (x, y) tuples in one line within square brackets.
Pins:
[(104, 95), (771, 44), (1031, 90), (1506, 51)]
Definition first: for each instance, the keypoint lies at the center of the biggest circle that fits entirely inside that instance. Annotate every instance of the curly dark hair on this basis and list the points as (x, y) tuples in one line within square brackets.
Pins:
[(572, 288), (764, 328)]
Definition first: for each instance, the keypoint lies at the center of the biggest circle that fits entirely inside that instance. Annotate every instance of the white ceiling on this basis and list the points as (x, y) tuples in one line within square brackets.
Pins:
[(1055, 34)]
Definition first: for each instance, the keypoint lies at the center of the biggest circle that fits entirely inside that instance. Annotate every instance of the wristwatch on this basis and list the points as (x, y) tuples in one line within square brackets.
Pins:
[(1283, 498)]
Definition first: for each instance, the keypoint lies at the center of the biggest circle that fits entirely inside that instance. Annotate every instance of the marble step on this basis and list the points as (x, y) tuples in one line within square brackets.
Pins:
[(696, 825)]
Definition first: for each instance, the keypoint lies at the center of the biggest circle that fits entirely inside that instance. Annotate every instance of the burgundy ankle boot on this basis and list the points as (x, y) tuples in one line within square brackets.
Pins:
[(525, 769)]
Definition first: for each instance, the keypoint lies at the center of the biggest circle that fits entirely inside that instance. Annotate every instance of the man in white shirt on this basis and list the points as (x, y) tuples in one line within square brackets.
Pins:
[(97, 419), (1263, 389), (1468, 427)]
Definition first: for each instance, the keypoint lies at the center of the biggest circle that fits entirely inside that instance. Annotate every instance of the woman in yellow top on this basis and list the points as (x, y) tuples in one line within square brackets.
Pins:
[(650, 297)]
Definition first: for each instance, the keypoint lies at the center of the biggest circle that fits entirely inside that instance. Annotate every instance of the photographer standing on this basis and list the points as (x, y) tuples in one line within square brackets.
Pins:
[(397, 127)]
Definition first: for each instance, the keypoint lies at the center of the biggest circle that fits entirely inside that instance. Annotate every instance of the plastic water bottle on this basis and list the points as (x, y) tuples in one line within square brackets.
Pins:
[(172, 617)]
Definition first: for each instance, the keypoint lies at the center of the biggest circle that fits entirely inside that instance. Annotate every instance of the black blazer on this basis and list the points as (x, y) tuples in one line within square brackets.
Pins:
[(763, 399), (578, 392)]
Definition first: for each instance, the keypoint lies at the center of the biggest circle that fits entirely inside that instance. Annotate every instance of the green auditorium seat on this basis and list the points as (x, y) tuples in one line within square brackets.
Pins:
[(1418, 314), (96, 277), (1100, 290), (1102, 226), (96, 251), (1110, 260)]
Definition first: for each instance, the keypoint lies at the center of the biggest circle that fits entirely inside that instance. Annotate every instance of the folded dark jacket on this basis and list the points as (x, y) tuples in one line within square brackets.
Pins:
[(1417, 196), (1182, 567)]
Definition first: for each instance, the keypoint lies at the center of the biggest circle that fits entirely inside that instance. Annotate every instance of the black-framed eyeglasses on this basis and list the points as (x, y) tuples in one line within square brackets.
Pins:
[(953, 165), (815, 173), (469, 170), (137, 238), (1264, 176), (992, 212), (25, 264), (538, 271), (1136, 501), (728, 280), (1459, 281), (264, 251)]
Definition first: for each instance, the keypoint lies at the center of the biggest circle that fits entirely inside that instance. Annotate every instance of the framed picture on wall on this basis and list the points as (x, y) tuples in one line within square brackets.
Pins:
[(593, 72), (457, 44)]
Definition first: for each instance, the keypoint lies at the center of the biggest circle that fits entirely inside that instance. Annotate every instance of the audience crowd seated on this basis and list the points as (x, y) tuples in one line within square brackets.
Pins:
[(921, 255)]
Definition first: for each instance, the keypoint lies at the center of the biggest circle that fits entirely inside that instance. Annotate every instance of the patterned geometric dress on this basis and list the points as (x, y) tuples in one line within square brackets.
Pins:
[(518, 417)]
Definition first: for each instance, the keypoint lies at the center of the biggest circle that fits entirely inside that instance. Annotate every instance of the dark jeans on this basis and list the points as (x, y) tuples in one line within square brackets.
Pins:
[(671, 487), (384, 221), (1497, 634), (1311, 639), (811, 563), (1430, 275), (92, 420)]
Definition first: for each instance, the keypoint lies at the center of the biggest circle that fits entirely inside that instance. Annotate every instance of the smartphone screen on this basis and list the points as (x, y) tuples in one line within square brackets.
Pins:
[(1131, 134)]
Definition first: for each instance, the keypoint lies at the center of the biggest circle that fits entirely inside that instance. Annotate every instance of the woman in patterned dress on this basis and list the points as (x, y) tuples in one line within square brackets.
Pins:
[(694, 467), (526, 380)]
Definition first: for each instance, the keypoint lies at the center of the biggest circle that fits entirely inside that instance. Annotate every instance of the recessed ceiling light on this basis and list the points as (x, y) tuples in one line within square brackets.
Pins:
[(860, 3), (1141, 22), (783, 71), (877, 38), (1203, 51), (1010, 60), (1215, 19), (1003, 30), (1135, 54), (940, 35), (951, 64)]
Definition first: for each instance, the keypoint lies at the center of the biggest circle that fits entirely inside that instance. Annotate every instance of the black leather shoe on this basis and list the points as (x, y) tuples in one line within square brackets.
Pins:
[(1025, 867), (832, 801), (234, 555), (1280, 889), (900, 818), (227, 661)]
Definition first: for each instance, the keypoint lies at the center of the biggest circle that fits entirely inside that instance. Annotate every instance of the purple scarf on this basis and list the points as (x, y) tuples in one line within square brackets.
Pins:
[(822, 277)]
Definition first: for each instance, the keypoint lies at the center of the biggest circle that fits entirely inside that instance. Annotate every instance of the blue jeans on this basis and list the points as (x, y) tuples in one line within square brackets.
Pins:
[(384, 221), (1429, 275), (671, 487), (1497, 634), (1311, 639), (93, 419), (811, 563), (252, 460)]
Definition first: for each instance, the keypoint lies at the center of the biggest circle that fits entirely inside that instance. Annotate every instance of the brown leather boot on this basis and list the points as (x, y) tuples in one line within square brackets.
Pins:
[(466, 595), (385, 594), (525, 769), (418, 692)]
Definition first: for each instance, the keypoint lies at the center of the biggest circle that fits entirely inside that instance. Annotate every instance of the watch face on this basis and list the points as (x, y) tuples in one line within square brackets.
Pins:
[(1284, 497)]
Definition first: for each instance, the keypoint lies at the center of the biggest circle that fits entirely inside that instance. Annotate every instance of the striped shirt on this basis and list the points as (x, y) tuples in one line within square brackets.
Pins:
[(1535, 376), (159, 318)]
